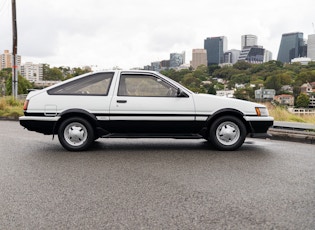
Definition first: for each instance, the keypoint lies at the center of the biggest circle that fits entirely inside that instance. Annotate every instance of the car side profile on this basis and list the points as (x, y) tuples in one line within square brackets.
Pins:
[(140, 104)]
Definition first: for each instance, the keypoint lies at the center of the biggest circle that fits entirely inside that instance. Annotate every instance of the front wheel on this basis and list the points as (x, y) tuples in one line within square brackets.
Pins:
[(227, 133), (75, 134)]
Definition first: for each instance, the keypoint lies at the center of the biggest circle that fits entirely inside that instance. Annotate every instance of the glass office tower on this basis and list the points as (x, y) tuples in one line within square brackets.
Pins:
[(291, 46), (215, 46)]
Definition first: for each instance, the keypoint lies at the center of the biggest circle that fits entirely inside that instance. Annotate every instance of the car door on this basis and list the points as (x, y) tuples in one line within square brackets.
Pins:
[(148, 103)]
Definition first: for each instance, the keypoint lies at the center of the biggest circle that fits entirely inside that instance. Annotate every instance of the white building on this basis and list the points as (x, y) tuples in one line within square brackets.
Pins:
[(311, 47), (302, 60), (249, 40), (231, 56), (32, 72), (225, 93)]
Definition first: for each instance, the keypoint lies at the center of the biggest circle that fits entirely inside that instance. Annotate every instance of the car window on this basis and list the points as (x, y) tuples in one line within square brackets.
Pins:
[(96, 84), (145, 86)]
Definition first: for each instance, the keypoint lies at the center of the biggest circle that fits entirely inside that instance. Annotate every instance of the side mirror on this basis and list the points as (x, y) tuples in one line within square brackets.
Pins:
[(181, 93)]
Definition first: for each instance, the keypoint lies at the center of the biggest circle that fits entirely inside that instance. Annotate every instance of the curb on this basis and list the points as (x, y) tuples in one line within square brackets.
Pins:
[(307, 137), (9, 119)]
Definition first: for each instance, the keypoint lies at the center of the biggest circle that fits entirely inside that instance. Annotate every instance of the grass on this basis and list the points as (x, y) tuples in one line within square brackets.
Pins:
[(281, 114), (11, 108)]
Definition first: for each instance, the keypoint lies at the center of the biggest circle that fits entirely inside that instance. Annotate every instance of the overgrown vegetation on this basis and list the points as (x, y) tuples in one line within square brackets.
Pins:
[(282, 114), (11, 108)]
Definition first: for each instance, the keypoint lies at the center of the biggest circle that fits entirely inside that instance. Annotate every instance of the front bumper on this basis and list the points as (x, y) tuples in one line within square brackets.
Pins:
[(259, 126)]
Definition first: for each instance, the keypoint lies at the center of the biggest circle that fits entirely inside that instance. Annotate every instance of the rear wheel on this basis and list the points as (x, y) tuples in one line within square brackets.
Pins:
[(227, 133), (75, 134)]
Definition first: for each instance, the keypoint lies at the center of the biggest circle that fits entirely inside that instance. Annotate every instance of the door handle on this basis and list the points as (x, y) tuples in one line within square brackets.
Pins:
[(121, 101)]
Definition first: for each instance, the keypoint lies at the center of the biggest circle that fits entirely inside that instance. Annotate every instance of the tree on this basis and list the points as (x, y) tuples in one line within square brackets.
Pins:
[(242, 65), (302, 101), (212, 68), (225, 72), (191, 82), (212, 90), (273, 82), (245, 94), (201, 73), (23, 86)]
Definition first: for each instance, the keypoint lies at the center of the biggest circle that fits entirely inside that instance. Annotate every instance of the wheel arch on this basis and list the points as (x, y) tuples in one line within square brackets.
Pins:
[(91, 118), (228, 112)]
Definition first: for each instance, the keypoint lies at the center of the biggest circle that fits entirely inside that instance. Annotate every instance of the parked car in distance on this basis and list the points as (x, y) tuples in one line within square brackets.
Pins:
[(140, 104)]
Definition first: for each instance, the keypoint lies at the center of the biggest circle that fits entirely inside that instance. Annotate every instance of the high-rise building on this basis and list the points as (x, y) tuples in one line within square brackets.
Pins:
[(156, 66), (199, 57), (255, 54), (231, 56), (32, 72), (215, 46), (6, 60), (291, 46), (311, 47), (177, 59), (267, 56), (248, 40)]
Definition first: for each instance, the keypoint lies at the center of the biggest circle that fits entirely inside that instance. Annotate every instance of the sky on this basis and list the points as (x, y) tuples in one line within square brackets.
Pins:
[(132, 33)]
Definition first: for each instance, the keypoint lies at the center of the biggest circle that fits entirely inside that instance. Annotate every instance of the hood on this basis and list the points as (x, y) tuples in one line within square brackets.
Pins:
[(211, 103)]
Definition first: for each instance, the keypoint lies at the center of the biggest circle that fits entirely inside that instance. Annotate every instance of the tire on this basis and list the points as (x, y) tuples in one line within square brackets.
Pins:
[(227, 133), (75, 134)]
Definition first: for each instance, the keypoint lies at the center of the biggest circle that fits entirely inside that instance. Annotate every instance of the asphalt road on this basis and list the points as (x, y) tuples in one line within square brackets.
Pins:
[(154, 184)]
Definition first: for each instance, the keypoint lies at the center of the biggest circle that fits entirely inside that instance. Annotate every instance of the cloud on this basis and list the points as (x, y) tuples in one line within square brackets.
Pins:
[(135, 33)]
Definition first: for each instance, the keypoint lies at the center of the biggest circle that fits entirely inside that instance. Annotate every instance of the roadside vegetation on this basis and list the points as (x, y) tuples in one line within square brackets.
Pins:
[(281, 113), (11, 108)]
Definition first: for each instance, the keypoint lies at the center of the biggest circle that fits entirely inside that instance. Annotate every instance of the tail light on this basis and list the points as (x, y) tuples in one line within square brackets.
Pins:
[(25, 105)]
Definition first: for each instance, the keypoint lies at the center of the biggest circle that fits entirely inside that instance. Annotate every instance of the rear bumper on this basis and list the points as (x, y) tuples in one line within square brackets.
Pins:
[(43, 125)]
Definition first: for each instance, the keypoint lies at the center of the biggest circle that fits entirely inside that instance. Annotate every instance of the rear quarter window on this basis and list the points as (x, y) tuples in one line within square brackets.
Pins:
[(93, 85)]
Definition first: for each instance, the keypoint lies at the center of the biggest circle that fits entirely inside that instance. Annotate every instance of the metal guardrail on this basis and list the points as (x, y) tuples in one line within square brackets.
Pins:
[(294, 125), (293, 131)]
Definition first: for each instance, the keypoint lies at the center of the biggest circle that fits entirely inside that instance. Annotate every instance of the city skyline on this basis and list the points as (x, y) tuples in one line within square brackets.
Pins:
[(124, 34), (250, 52)]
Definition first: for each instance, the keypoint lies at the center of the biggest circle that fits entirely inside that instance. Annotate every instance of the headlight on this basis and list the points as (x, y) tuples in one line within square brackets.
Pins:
[(262, 111)]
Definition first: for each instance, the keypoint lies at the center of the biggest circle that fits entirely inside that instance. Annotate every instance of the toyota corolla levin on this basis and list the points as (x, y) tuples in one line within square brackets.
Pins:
[(140, 104)]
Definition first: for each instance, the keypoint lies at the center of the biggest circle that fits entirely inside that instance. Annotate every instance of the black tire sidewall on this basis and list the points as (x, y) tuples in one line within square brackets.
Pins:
[(82, 121), (213, 138)]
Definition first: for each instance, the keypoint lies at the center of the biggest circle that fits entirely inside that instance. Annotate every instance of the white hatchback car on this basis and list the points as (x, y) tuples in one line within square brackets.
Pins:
[(139, 104)]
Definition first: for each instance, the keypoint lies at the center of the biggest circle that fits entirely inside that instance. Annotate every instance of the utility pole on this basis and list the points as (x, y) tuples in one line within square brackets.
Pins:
[(14, 53)]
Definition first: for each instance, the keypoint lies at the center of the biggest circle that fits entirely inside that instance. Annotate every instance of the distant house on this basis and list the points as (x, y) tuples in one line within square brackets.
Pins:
[(287, 88), (265, 94), (225, 93), (285, 99), (306, 88), (309, 89)]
